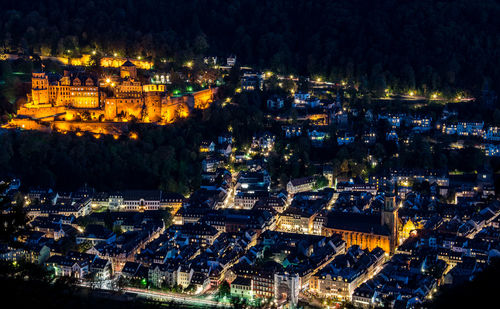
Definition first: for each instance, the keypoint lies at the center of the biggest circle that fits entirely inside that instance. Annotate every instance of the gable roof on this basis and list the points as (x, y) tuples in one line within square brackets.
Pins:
[(128, 63), (357, 222)]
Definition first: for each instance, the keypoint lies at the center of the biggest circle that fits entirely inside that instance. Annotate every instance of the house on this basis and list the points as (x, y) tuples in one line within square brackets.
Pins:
[(67, 267), (275, 102), (249, 181), (449, 129), (184, 275), (231, 60), (163, 274), (246, 200), (421, 124), (470, 128), (393, 120), (101, 268), (492, 134), (96, 234), (242, 287), (207, 146), (345, 139), (346, 272), (302, 100), (369, 137), (492, 150), (392, 136), (224, 149), (300, 185), (172, 201), (130, 270), (317, 137), (251, 81), (225, 138), (200, 282), (263, 141), (210, 164), (292, 131)]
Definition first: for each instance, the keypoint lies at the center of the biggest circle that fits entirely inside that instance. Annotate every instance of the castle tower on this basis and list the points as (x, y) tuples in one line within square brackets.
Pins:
[(110, 109), (389, 218), (152, 102), (128, 70), (39, 89)]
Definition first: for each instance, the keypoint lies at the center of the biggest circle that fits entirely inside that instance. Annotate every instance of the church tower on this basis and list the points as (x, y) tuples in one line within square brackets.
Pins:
[(389, 218)]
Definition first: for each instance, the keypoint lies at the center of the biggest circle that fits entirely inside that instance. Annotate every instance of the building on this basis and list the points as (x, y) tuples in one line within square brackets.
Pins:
[(251, 81), (242, 287), (275, 103), (300, 185), (302, 100), (128, 70), (346, 272), (141, 200), (292, 131), (95, 234), (78, 101), (345, 139), (367, 231)]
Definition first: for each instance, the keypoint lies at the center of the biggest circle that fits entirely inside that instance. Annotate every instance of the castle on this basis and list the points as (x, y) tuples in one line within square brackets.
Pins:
[(79, 97)]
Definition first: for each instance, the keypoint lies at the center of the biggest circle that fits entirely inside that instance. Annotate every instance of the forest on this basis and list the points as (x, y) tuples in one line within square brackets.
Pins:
[(424, 45), (163, 157)]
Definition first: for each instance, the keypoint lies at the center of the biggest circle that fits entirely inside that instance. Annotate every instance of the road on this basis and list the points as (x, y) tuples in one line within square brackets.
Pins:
[(164, 296), (110, 285)]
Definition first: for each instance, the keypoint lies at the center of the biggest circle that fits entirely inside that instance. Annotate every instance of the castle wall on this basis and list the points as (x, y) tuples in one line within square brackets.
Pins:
[(174, 108), (203, 98), (129, 107), (27, 124), (40, 112), (93, 127)]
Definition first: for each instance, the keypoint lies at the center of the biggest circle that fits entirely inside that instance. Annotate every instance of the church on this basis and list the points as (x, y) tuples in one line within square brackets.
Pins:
[(367, 231)]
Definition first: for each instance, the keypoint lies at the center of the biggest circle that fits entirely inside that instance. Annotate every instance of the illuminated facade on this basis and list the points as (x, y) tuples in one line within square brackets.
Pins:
[(367, 231), (78, 98), (71, 91)]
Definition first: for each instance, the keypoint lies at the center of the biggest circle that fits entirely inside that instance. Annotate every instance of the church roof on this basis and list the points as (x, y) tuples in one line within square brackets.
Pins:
[(357, 223)]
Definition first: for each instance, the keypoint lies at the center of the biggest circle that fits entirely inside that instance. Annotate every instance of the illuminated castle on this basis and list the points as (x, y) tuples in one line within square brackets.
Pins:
[(76, 92), (78, 98)]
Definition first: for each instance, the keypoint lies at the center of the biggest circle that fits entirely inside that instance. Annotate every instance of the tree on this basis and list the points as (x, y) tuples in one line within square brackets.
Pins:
[(224, 289), (321, 182)]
